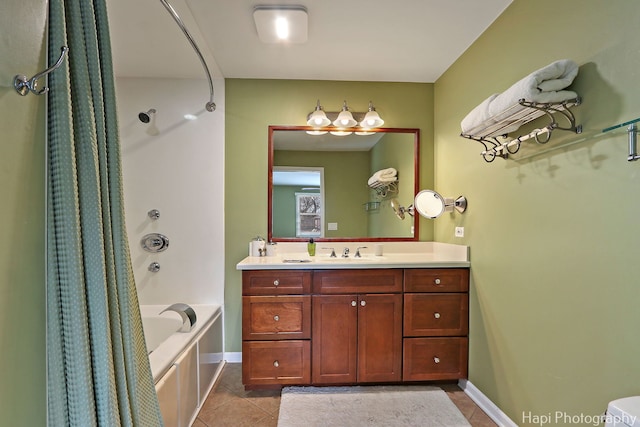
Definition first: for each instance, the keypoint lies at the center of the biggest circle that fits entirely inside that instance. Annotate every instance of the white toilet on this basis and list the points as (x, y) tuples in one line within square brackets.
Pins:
[(623, 412)]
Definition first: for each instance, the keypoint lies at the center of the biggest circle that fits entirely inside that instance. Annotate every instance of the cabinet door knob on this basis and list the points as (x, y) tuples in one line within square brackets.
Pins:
[(436, 315), (436, 281), (363, 303), (276, 282), (276, 363), (353, 304), (276, 317), (436, 359)]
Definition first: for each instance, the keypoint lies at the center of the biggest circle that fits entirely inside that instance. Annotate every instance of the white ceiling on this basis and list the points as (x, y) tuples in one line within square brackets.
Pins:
[(361, 40)]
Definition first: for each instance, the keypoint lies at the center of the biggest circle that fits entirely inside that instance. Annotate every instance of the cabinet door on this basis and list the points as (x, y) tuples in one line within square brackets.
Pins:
[(276, 282), (436, 280), (379, 337), (427, 359), (276, 317), (436, 314), (276, 362), (334, 337)]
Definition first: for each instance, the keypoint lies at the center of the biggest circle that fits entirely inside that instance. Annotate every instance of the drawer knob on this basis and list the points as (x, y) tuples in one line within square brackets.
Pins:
[(353, 303), (436, 359), (276, 363), (363, 303), (276, 282), (276, 317), (436, 281), (436, 315)]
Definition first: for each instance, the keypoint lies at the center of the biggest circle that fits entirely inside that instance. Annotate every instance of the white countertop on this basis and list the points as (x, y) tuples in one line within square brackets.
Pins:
[(395, 255)]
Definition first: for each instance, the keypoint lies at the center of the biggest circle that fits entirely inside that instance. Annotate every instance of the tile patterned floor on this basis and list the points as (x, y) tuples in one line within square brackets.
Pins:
[(229, 404)]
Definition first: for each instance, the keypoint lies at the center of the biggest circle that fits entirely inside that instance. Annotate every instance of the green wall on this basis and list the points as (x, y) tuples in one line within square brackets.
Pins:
[(253, 105), (554, 237), (22, 261)]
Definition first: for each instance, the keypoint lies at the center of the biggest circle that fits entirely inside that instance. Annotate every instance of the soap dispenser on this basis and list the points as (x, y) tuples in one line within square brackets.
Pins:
[(311, 247)]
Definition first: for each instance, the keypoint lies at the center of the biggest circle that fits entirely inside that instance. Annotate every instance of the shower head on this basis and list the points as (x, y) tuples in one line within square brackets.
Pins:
[(145, 117)]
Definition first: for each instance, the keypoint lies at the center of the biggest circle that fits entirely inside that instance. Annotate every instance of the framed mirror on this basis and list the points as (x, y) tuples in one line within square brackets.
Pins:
[(318, 185)]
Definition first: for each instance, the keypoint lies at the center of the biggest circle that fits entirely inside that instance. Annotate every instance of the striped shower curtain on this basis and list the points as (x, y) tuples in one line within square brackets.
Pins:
[(98, 372)]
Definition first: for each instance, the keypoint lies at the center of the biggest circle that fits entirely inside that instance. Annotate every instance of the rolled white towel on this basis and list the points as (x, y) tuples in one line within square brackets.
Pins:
[(544, 86), (383, 175)]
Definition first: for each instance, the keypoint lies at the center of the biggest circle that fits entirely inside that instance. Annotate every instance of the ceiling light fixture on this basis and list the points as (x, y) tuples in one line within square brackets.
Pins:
[(345, 121), (278, 24)]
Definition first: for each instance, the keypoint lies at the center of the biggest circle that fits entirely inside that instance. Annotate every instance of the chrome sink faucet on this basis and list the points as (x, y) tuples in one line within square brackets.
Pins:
[(333, 252), (357, 255), (345, 253)]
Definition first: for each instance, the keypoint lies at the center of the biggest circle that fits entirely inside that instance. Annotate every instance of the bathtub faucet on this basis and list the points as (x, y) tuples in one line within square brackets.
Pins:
[(187, 314)]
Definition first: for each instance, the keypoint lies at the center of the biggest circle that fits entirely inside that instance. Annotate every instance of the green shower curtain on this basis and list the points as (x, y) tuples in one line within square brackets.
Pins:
[(98, 372)]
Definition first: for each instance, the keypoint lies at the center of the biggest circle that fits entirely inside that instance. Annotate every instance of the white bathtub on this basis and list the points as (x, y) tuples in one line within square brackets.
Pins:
[(164, 342), (184, 365)]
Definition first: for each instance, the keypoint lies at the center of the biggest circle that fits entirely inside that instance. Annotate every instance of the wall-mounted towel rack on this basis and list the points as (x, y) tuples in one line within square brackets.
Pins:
[(493, 132)]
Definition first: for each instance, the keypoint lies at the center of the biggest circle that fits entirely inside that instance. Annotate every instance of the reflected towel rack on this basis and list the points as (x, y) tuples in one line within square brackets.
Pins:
[(25, 85), (493, 134), (383, 189)]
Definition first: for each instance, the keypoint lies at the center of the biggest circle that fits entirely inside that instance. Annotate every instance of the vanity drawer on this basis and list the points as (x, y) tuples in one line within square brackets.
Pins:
[(274, 282), (276, 317), (357, 281), (276, 362), (426, 359), (436, 280), (436, 314)]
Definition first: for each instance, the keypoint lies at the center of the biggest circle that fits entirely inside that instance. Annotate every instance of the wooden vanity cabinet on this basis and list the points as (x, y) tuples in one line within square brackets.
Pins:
[(436, 324), (356, 326), (348, 326), (276, 327)]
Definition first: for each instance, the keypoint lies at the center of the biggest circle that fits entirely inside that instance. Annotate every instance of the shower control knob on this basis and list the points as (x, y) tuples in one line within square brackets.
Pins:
[(154, 267)]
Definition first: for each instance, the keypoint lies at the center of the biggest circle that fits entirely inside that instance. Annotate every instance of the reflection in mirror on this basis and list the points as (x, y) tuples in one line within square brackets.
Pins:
[(340, 205), (298, 198)]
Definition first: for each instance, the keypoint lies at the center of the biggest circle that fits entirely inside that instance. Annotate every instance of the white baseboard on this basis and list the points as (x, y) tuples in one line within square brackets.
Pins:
[(486, 404), (233, 357)]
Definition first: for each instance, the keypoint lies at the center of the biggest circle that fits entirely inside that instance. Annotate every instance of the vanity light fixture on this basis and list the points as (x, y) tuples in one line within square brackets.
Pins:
[(318, 118), (345, 118), (345, 121), (281, 24), (371, 119)]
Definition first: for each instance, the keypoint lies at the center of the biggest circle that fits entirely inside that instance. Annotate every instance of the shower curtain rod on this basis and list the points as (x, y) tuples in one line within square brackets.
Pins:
[(210, 106)]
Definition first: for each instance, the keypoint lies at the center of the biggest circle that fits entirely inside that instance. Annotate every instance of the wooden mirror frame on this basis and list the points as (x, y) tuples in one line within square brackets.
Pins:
[(416, 180)]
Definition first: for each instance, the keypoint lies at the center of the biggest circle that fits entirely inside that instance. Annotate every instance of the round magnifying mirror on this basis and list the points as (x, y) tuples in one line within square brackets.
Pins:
[(429, 204), (397, 209)]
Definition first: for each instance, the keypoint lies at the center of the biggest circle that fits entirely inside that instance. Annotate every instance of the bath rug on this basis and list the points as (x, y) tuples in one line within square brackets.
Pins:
[(388, 406)]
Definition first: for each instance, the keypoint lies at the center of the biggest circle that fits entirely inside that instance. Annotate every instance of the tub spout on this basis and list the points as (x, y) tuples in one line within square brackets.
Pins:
[(187, 314)]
